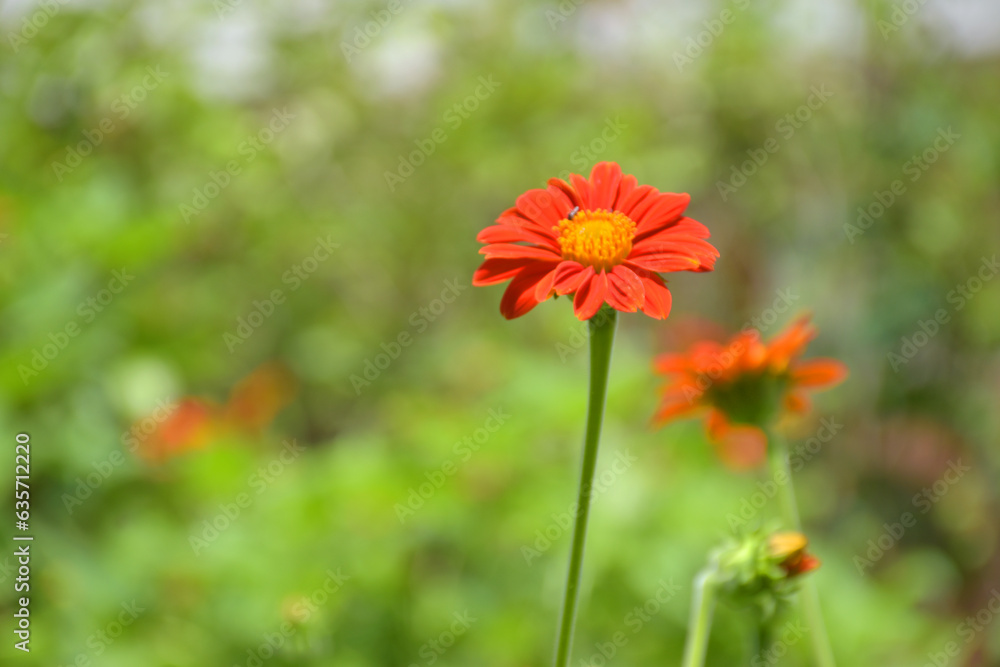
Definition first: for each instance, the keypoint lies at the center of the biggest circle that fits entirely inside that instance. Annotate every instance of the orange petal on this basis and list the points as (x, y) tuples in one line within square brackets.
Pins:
[(625, 291), (604, 179), (515, 251), (675, 409), (665, 209), (514, 234), (629, 204), (519, 298), (584, 190), (544, 289), (791, 342), (625, 189), (499, 269), (658, 297), (188, 426), (787, 543), (817, 373), (590, 296), (543, 207), (671, 363), (570, 275), (568, 191)]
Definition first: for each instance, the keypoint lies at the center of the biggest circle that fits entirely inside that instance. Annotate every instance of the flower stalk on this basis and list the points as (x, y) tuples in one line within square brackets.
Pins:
[(602, 334), (700, 625), (777, 456)]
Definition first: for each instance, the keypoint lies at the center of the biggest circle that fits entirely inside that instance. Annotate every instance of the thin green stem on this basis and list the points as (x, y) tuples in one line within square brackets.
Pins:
[(762, 641), (814, 621), (700, 625), (602, 335), (809, 594), (781, 472)]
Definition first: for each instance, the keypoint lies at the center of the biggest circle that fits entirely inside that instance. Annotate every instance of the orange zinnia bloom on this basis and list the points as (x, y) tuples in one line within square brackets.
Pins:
[(605, 239), (744, 385)]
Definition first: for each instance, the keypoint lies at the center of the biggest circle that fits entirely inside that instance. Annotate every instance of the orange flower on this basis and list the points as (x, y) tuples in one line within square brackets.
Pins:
[(744, 384), (194, 422), (605, 240), (190, 425), (789, 548)]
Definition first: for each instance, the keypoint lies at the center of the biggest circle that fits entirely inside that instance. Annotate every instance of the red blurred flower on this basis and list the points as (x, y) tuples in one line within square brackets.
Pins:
[(253, 404), (190, 425), (744, 385), (605, 240)]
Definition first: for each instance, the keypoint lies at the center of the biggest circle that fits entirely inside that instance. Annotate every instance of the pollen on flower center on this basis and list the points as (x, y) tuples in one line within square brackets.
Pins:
[(601, 239)]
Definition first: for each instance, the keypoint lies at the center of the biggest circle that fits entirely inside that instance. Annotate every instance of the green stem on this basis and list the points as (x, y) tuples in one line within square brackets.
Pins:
[(809, 595), (602, 335), (781, 472), (700, 625), (762, 641)]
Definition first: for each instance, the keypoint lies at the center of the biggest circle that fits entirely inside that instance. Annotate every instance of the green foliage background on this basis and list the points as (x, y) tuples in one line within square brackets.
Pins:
[(566, 73)]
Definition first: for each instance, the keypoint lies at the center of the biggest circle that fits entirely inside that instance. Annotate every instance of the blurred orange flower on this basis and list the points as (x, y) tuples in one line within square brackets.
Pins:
[(744, 385), (605, 240), (253, 403), (790, 550)]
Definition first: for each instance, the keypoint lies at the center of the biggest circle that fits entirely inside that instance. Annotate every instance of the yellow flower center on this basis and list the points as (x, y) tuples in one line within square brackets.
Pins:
[(601, 239)]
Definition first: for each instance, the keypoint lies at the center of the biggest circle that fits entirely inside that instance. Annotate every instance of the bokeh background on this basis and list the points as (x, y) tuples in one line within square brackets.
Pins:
[(229, 161)]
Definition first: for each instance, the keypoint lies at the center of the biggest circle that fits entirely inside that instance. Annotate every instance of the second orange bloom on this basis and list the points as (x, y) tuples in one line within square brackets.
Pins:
[(744, 386)]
